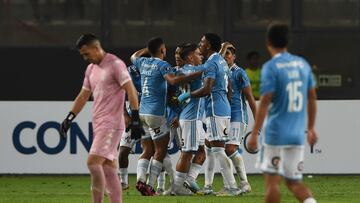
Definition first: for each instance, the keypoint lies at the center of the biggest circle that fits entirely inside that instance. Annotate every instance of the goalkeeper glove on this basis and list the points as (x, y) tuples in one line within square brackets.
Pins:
[(65, 125)]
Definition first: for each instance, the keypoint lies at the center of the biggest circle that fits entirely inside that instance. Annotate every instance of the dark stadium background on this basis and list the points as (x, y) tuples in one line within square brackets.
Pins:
[(36, 37)]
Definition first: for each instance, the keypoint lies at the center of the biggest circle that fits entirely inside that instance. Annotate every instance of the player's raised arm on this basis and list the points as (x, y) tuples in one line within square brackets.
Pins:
[(139, 53), (224, 47), (79, 103)]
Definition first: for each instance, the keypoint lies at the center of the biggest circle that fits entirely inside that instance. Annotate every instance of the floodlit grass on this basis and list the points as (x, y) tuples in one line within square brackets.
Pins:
[(74, 189)]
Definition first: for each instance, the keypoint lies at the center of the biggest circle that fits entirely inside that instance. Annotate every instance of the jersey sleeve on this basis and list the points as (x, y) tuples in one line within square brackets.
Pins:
[(243, 79), (122, 75), (268, 80), (137, 61), (86, 83), (199, 67), (165, 68), (209, 70), (311, 80)]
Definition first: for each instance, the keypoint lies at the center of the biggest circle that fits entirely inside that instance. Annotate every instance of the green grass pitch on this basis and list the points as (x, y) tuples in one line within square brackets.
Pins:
[(76, 189)]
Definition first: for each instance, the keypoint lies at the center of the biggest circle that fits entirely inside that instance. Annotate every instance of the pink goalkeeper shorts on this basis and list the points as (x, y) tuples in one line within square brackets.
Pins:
[(106, 143)]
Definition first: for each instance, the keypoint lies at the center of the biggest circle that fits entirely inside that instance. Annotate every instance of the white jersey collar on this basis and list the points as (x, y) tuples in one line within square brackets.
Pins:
[(279, 54), (212, 55)]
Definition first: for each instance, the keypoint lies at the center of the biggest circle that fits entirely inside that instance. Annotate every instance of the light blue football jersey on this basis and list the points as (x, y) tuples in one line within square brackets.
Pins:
[(194, 109), (153, 85), (239, 80), (288, 78), (135, 77), (217, 103)]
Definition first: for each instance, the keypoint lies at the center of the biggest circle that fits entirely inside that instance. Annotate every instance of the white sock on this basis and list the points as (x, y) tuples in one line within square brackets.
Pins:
[(155, 170), (161, 181), (239, 166), (193, 172), (124, 175), (309, 200), (225, 165), (226, 185), (168, 168), (179, 180), (141, 170), (209, 167)]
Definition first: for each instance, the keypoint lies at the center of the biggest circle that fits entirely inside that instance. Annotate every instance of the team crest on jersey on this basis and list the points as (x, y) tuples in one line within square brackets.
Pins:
[(275, 161)]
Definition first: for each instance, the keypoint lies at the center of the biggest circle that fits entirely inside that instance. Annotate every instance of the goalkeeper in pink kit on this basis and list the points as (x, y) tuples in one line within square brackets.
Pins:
[(107, 79)]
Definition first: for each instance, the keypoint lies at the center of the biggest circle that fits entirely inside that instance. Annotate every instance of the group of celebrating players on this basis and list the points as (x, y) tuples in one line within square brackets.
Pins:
[(185, 98), (202, 103)]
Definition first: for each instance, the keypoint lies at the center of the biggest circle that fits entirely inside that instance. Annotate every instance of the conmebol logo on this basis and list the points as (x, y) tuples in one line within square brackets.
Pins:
[(75, 134)]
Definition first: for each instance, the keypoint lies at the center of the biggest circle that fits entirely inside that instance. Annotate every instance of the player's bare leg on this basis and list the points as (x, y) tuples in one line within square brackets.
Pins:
[(238, 162), (160, 146), (300, 191), (112, 181), (123, 165), (95, 166), (272, 191)]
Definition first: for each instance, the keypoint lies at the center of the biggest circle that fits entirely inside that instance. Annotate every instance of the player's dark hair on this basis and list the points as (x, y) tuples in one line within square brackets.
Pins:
[(214, 40), (85, 39), (154, 45), (181, 45), (252, 54), (278, 35), (186, 49)]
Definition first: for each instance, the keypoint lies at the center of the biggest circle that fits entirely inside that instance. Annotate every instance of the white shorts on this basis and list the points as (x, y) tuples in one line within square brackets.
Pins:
[(192, 135), (174, 134), (218, 128), (200, 128), (126, 140), (285, 161), (237, 133), (154, 126)]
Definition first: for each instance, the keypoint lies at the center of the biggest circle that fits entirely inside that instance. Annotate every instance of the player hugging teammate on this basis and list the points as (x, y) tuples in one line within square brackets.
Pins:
[(192, 97)]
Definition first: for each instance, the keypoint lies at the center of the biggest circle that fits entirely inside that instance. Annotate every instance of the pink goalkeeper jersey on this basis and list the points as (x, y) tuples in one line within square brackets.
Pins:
[(105, 81)]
